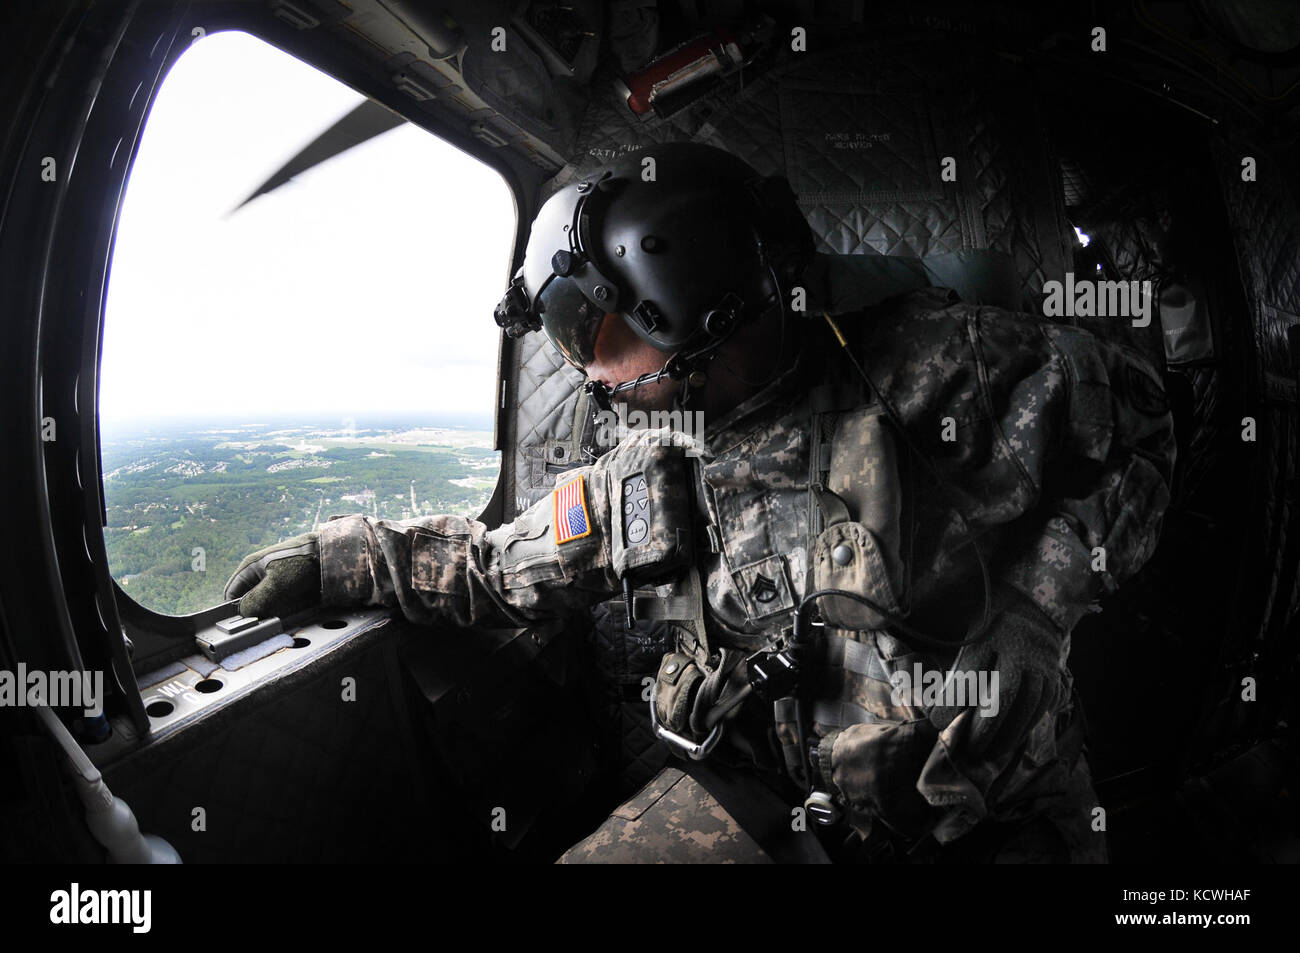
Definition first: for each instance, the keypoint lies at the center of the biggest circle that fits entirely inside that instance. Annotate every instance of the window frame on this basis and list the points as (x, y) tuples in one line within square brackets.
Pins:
[(90, 115), (137, 615)]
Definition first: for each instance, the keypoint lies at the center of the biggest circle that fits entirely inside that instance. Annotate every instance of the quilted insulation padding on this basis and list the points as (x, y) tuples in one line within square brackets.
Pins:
[(1131, 248), (1266, 233), (631, 755), (860, 132), (544, 416), (1266, 229)]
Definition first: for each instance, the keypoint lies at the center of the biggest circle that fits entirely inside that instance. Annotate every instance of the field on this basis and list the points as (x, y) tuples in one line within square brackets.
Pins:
[(185, 505)]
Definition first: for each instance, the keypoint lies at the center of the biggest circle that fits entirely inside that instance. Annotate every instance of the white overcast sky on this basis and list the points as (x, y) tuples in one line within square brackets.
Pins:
[(364, 286)]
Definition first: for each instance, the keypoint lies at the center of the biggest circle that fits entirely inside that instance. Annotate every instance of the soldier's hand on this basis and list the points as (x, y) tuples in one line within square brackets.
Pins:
[(278, 580), (1023, 648)]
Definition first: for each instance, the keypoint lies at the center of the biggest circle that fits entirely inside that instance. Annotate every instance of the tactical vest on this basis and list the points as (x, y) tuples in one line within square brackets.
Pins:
[(808, 494), (818, 491)]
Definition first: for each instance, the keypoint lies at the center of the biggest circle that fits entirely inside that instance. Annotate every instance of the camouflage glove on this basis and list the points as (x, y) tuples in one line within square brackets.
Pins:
[(946, 769), (1023, 648), (980, 760), (278, 580)]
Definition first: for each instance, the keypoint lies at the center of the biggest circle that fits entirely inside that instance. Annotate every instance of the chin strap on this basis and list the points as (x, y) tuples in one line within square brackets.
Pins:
[(689, 365), (600, 398), (685, 366)]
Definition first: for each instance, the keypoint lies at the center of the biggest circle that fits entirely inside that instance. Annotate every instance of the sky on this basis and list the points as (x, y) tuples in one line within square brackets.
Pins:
[(363, 286)]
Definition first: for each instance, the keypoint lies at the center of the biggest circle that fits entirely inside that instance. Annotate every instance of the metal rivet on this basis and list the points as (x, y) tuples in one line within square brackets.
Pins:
[(600, 292), (649, 243), (842, 555), (584, 186), (670, 668), (697, 378), (620, 251)]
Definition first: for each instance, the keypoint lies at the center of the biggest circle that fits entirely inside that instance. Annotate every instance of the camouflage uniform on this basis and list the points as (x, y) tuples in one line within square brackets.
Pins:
[(1054, 448), (672, 820)]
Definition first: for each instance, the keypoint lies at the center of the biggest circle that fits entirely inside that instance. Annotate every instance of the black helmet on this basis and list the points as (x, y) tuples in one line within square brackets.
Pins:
[(685, 241)]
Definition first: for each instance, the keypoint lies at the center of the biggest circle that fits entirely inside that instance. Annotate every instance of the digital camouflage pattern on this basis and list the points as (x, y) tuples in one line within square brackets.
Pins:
[(454, 570), (672, 820), (1056, 450)]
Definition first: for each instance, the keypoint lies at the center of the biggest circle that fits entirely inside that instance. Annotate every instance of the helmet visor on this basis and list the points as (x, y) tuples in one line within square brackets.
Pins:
[(570, 321)]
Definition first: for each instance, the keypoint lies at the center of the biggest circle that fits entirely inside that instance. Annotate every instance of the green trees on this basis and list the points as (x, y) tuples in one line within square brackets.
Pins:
[(184, 510)]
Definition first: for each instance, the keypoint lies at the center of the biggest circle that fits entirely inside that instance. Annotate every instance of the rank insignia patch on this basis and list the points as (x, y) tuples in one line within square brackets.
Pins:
[(763, 589), (571, 519)]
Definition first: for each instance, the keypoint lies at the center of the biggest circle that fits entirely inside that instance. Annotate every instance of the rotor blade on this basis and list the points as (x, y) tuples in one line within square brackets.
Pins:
[(368, 120)]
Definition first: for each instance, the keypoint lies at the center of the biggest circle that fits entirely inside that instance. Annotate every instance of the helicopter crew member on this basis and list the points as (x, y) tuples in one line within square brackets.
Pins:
[(871, 563)]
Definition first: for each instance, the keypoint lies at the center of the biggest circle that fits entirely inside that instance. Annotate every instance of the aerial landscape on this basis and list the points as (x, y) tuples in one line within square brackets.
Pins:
[(186, 501)]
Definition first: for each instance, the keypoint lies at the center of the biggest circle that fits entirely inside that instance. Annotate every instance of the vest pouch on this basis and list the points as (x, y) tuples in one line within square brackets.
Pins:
[(847, 556), (651, 519), (675, 687)]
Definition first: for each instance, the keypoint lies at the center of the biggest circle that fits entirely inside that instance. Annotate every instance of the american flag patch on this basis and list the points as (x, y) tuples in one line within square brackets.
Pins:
[(571, 520)]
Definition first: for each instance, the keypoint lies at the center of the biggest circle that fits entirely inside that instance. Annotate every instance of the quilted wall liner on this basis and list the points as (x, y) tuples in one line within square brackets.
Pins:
[(1265, 224), (860, 132)]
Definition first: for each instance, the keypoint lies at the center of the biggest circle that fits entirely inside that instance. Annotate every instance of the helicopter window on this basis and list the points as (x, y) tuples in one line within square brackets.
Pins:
[(297, 325)]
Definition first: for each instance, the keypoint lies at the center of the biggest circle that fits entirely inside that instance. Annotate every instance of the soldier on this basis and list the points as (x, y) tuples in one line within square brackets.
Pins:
[(871, 562)]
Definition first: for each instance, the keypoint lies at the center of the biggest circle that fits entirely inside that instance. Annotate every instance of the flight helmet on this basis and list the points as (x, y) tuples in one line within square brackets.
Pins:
[(683, 241)]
